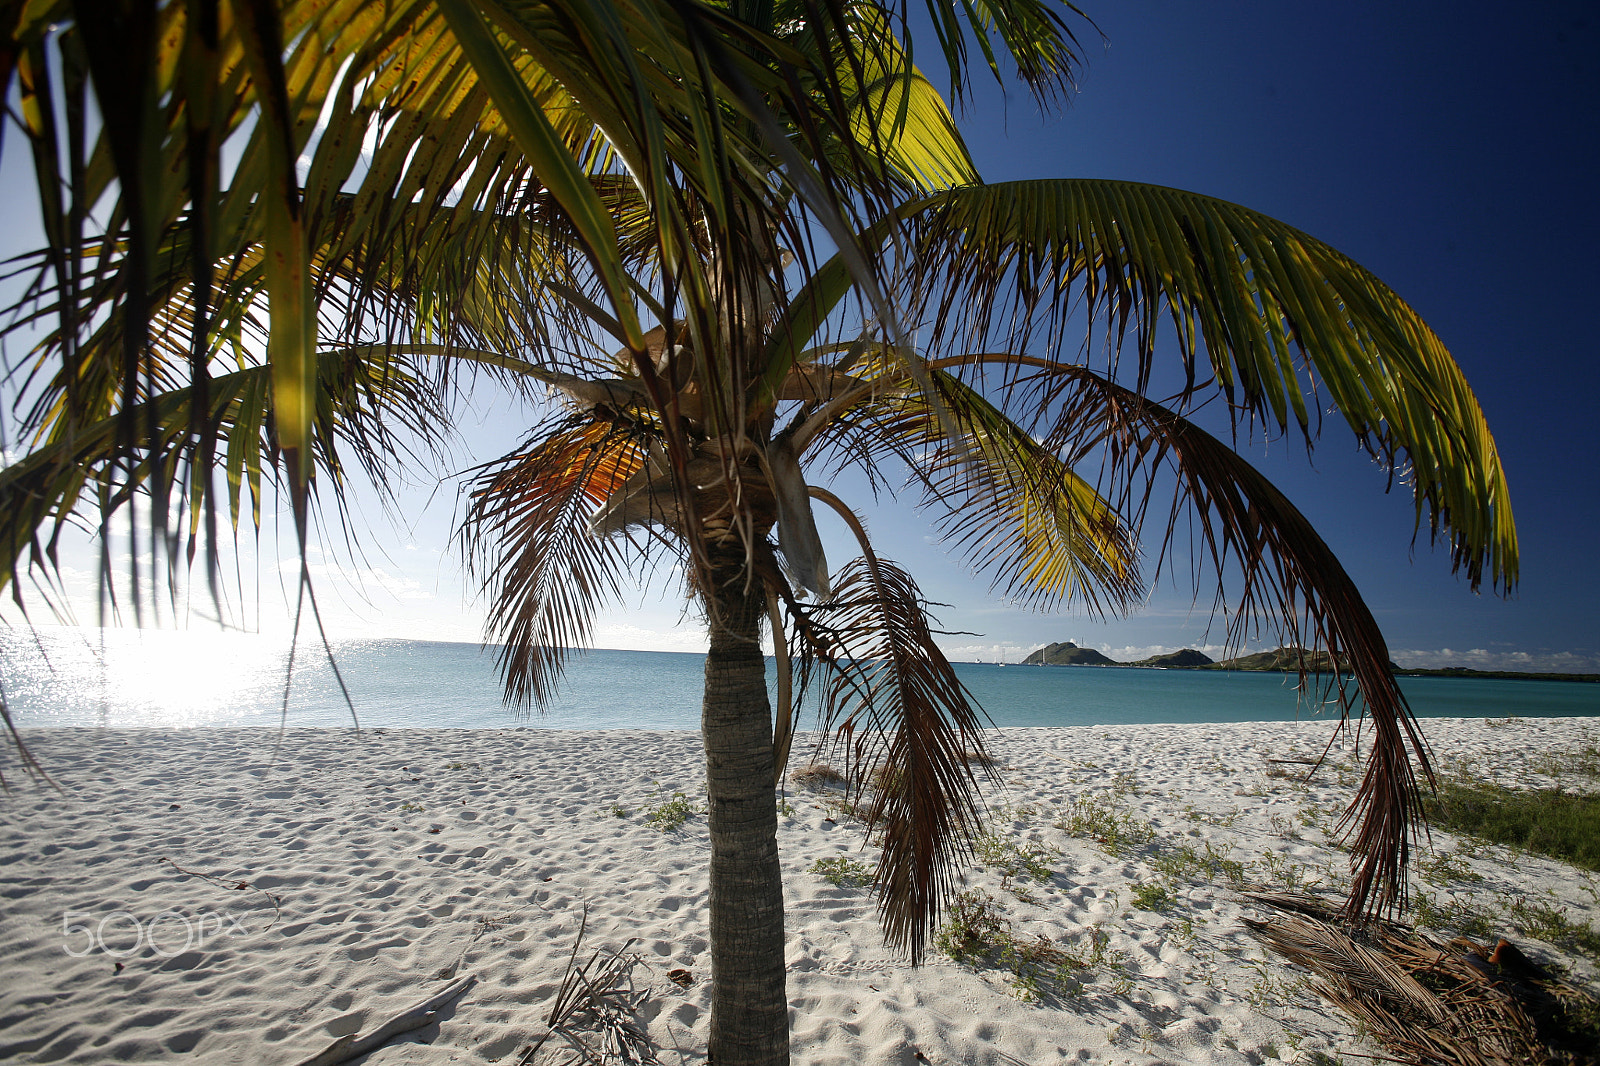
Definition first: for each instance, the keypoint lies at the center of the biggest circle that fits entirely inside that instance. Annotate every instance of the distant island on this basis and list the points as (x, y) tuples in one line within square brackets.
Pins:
[(1186, 659), (1284, 660), (1504, 675), (1280, 661), (1069, 654)]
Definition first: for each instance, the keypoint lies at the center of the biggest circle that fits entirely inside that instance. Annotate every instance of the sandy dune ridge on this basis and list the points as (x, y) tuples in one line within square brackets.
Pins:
[(190, 896)]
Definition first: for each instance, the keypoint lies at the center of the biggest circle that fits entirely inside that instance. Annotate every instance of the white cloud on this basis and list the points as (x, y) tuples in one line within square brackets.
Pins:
[(1541, 661), (687, 637), (362, 578), (397, 585), (1129, 653), (990, 652)]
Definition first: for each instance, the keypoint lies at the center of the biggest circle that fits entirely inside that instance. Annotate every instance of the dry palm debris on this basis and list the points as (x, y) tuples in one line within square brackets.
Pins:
[(1430, 1003), (593, 1012), (817, 776)]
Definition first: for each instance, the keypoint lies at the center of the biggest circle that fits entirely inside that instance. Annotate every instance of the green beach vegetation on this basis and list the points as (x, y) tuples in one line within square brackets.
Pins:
[(844, 872), (1556, 822), (745, 249)]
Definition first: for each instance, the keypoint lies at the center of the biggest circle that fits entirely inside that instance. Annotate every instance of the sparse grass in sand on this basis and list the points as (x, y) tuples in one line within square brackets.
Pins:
[(671, 814), (888, 780), (1443, 869), (1556, 822), (1450, 914), (1224, 820), (842, 872), (843, 808), (1012, 858), (977, 933), (1547, 922), (1287, 874), (1106, 822), (1210, 859), (973, 928), (1563, 825), (1152, 897)]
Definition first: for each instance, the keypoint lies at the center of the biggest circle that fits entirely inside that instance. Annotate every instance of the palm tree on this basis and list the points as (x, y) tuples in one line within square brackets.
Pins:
[(745, 249)]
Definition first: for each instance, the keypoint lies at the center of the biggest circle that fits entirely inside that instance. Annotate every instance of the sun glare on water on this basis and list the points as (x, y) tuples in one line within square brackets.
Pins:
[(127, 678)]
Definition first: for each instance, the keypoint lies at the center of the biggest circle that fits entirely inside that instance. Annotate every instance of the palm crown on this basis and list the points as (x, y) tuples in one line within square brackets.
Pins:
[(746, 249)]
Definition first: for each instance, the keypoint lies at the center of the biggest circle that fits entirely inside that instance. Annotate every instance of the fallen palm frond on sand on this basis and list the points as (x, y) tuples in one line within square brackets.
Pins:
[(1432, 1004), (817, 776), (593, 1012)]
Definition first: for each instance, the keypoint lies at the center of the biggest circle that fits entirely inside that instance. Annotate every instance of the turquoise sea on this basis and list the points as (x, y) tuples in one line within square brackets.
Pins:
[(168, 679)]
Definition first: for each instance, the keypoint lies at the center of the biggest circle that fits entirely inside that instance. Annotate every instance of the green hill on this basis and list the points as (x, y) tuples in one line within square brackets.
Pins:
[(1187, 658), (1067, 654), (1278, 660)]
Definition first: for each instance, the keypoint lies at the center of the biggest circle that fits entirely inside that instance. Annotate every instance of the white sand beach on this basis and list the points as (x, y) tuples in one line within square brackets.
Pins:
[(345, 878)]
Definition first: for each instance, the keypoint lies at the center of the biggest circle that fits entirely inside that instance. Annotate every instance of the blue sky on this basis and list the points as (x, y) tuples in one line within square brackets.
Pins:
[(1450, 148)]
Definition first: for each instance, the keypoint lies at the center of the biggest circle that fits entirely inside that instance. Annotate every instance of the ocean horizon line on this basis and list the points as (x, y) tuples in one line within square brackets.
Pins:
[(407, 683), (281, 641)]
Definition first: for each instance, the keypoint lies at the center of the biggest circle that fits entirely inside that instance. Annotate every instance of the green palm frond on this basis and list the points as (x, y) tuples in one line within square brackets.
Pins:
[(1253, 301), (1032, 34), (900, 121), (1016, 511), (1020, 513), (286, 240), (403, 110), (548, 156), (368, 409)]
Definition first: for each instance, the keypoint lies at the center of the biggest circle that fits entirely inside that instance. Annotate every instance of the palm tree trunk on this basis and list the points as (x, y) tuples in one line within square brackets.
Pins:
[(749, 1005)]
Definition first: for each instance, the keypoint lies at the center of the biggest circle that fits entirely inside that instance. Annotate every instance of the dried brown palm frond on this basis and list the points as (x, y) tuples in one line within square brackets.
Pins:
[(593, 1011), (888, 693), (817, 776), (1287, 574), (1364, 973), (527, 534), (1428, 1003)]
